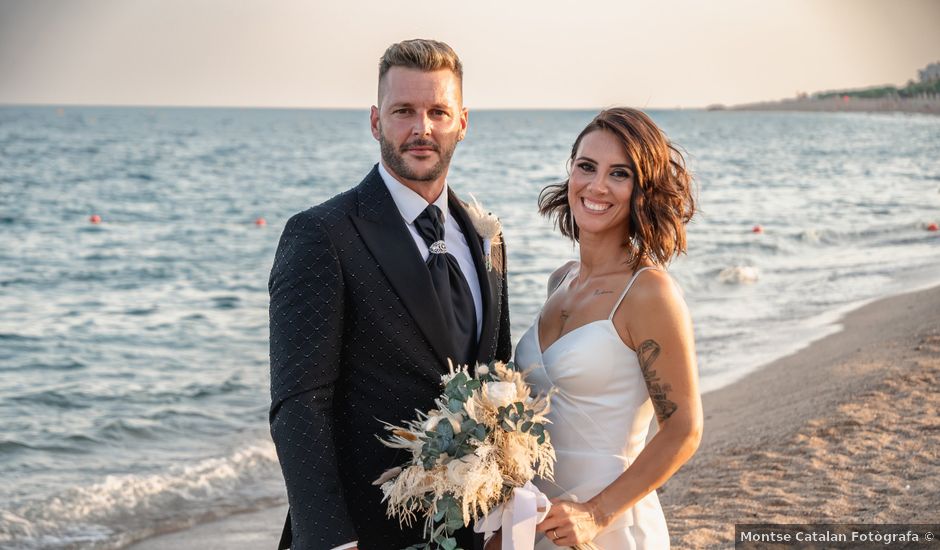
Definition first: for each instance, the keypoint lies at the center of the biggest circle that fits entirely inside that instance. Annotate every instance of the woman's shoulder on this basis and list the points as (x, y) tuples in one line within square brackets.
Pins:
[(655, 287), (559, 275)]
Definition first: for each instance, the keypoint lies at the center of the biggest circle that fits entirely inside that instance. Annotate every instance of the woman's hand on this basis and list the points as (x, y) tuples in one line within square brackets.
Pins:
[(570, 523)]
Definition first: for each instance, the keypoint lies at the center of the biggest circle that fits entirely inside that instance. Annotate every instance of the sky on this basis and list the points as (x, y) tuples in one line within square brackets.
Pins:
[(516, 53)]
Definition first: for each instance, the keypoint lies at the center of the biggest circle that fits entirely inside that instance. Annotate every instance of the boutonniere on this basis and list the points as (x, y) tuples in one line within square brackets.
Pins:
[(487, 225)]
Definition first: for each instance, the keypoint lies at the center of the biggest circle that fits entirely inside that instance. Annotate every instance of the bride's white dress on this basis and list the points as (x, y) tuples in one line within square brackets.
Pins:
[(600, 413)]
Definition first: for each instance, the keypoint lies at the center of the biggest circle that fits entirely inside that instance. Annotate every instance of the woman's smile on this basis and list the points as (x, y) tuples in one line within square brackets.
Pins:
[(595, 206)]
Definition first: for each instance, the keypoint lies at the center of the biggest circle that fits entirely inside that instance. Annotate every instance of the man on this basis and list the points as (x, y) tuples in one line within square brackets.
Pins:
[(371, 293)]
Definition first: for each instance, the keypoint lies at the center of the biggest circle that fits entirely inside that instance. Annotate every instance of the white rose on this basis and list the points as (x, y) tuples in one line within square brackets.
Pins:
[(459, 469), (431, 423), (482, 370), (502, 394)]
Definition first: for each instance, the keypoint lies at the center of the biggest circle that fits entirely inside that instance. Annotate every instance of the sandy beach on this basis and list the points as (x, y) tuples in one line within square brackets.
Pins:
[(844, 430)]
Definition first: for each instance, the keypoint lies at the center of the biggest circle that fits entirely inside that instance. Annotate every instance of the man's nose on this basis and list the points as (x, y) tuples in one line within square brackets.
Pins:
[(422, 125)]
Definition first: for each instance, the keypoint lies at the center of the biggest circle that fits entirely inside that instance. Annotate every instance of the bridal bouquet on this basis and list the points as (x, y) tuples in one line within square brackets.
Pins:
[(485, 438)]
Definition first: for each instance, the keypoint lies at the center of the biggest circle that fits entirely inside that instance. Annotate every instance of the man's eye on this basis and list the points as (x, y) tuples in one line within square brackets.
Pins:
[(439, 112), (402, 111)]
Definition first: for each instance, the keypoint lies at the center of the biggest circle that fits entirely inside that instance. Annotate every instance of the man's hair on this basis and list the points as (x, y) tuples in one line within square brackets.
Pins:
[(421, 54)]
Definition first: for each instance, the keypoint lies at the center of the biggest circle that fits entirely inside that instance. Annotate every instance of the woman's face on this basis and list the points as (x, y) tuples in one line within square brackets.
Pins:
[(601, 184)]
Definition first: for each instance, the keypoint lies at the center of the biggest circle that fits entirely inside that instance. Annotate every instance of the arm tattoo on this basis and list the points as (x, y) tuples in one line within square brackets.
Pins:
[(647, 354), (564, 318), (598, 292)]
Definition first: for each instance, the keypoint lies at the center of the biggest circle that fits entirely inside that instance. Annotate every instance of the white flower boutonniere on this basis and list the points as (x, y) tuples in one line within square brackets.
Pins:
[(487, 225)]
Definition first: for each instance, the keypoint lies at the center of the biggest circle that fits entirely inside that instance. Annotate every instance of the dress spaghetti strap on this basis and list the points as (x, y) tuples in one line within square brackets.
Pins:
[(624, 293)]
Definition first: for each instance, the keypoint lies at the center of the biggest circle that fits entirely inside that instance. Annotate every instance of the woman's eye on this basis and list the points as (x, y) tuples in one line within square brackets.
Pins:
[(585, 167), (620, 174)]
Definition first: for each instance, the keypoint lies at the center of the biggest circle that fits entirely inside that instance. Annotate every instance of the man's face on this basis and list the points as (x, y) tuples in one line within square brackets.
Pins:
[(418, 122)]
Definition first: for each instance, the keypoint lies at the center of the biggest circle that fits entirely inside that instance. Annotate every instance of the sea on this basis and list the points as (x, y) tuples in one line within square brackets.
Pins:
[(134, 351)]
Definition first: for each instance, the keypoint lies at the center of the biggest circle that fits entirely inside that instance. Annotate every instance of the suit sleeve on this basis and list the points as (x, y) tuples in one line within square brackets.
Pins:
[(306, 323), (503, 339)]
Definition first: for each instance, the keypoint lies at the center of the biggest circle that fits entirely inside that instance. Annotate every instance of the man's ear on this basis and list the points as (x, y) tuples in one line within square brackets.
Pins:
[(464, 121), (375, 123)]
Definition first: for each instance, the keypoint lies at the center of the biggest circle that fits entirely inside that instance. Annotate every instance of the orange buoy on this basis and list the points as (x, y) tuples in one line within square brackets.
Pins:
[(757, 229), (932, 226), (261, 222), (95, 218)]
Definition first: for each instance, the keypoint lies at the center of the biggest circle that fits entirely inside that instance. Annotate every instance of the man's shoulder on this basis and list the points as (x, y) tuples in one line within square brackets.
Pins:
[(335, 211), (329, 213)]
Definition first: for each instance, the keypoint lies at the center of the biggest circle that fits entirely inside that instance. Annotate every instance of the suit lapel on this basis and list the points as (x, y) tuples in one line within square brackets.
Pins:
[(489, 280), (385, 234)]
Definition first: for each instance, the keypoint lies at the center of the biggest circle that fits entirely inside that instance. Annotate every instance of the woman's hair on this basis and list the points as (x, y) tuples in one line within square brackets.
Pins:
[(661, 203)]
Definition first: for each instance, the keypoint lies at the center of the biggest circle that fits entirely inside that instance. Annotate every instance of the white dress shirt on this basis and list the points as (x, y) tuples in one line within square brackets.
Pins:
[(411, 205)]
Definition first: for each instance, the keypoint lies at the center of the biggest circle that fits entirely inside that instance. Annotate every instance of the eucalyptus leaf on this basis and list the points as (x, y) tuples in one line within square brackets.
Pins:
[(445, 430)]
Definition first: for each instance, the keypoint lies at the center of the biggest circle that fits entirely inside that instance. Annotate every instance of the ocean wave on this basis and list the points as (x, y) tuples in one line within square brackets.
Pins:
[(14, 337), (225, 302), (739, 274), (123, 429), (10, 447), (64, 365), (52, 398), (197, 390), (890, 233), (121, 508)]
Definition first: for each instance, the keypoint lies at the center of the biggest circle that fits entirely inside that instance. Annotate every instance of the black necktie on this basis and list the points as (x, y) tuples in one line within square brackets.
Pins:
[(451, 287)]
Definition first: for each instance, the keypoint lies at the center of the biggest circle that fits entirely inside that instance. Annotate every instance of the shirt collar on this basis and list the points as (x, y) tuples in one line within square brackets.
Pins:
[(409, 203)]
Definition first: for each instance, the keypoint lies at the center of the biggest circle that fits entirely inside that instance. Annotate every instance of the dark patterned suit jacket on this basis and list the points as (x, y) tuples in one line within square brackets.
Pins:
[(357, 336)]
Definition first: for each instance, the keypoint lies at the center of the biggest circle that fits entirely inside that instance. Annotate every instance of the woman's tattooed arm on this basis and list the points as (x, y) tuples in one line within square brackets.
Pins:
[(647, 353)]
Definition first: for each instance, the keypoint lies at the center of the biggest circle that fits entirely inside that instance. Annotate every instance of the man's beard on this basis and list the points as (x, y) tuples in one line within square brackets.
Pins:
[(395, 160)]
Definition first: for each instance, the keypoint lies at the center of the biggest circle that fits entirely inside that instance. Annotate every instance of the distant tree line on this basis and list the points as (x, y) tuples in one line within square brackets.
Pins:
[(912, 89)]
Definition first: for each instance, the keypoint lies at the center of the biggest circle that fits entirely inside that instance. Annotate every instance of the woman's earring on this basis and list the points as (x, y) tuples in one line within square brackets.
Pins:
[(571, 228)]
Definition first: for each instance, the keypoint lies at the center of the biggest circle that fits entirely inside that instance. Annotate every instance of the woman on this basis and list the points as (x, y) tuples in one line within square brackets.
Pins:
[(614, 338)]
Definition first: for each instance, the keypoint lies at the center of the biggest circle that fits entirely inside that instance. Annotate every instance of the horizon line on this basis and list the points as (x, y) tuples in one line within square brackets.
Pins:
[(312, 107)]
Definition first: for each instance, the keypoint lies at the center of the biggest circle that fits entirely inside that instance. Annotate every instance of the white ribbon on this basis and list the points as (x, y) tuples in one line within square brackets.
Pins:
[(517, 517)]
